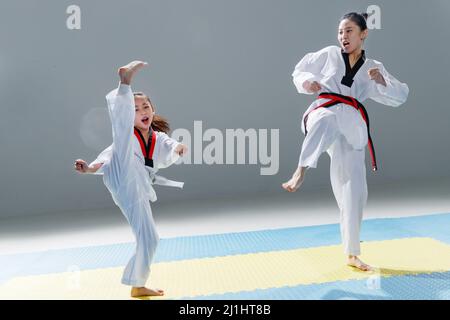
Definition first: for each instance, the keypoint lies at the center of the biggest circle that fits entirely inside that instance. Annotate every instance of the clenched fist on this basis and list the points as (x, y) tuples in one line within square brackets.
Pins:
[(181, 150), (81, 166), (312, 87), (375, 74)]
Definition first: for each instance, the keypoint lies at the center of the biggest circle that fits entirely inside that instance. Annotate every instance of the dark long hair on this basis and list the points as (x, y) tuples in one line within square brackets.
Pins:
[(358, 18), (159, 123)]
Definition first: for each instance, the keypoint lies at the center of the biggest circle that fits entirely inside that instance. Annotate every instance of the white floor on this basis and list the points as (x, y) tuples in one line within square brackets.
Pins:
[(78, 229)]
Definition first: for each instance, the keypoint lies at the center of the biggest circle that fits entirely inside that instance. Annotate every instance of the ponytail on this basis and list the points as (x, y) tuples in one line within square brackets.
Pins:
[(160, 124)]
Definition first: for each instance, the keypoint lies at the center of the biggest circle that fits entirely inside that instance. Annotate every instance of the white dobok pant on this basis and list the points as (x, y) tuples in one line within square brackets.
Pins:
[(347, 172)]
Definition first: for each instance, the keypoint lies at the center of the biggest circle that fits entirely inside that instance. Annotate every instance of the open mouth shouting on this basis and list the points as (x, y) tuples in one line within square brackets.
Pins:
[(145, 120)]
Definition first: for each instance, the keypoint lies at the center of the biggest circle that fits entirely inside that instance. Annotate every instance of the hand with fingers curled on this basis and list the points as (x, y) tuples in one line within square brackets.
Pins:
[(181, 150), (312, 87), (375, 74), (82, 166)]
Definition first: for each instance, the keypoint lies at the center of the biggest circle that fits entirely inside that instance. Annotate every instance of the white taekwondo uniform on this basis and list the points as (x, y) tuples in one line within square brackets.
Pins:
[(340, 129), (129, 171)]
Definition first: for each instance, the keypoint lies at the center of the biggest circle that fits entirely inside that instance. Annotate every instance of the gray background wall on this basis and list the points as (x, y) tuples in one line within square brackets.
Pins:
[(227, 63)]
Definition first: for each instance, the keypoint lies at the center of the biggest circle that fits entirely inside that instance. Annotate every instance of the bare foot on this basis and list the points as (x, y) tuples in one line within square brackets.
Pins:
[(355, 262), (142, 291), (296, 181), (127, 72)]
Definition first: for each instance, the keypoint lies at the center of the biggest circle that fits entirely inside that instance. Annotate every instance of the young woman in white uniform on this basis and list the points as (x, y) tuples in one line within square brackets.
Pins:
[(337, 122), (140, 147)]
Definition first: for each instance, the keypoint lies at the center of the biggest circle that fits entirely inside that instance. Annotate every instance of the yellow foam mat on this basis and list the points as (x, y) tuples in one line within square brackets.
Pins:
[(190, 278)]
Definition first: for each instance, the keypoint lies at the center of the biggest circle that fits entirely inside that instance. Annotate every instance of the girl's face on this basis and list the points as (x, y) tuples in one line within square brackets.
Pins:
[(350, 36), (144, 113)]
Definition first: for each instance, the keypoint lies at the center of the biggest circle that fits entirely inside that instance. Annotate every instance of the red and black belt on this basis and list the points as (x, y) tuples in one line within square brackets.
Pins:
[(147, 149), (334, 99)]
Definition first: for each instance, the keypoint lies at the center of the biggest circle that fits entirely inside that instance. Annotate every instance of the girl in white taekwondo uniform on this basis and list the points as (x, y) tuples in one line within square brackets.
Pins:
[(337, 122), (140, 147)]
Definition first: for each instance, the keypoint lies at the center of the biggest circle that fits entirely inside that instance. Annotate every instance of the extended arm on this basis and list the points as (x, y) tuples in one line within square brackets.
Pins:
[(81, 166)]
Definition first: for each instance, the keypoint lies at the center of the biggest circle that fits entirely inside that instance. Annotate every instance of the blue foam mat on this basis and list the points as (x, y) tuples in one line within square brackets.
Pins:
[(435, 226), (434, 286)]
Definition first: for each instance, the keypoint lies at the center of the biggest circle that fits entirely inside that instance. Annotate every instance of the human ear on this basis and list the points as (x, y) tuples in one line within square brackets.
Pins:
[(364, 35)]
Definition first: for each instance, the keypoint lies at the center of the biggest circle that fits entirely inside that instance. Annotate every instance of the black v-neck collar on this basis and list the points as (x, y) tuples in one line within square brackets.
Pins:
[(350, 72), (146, 148)]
